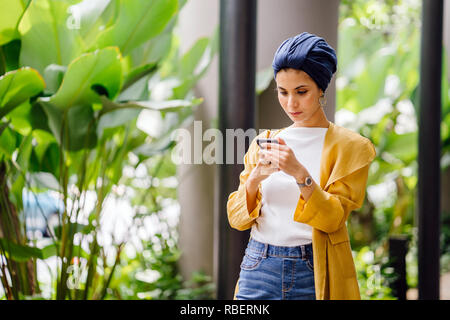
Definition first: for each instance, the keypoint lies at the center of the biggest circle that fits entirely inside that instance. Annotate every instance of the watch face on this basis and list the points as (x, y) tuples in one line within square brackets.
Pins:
[(308, 181)]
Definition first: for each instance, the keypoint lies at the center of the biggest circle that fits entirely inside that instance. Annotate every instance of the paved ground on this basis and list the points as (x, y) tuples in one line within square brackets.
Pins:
[(412, 294)]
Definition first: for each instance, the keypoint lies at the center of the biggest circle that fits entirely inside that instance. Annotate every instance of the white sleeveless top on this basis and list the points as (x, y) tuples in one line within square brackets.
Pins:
[(280, 192)]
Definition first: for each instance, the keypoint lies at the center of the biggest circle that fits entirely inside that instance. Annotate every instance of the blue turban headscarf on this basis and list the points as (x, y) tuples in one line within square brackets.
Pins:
[(309, 53)]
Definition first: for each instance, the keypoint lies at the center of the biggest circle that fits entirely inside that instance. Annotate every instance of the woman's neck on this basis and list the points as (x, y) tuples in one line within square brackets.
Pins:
[(322, 123)]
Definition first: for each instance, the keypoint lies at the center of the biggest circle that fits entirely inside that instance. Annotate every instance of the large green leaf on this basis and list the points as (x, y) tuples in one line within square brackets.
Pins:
[(116, 114), (18, 252), (348, 47), (81, 128), (22, 253), (263, 79), (353, 44), (143, 61), (49, 251), (73, 128), (195, 62), (10, 14), (52, 116), (157, 147), (18, 86), (9, 56), (47, 35), (165, 141), (97, 69), (370, 84), (406, 64), (87, 15), (7, 142), (167, 106), (24, 152), (153, 50), (192, 57), (116, 118), (138, 21), (3, 126), (402, 146), (135, 85), (383, 168), (20, 118), (46, 151), (53, 76), (19, 170)]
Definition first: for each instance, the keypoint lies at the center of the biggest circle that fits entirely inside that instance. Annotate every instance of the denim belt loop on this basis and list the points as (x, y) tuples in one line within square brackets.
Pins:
[(303, 249), (266, 247)]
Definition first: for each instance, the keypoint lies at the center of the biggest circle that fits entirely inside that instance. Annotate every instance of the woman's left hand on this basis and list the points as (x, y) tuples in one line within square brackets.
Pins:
[(284, 158)]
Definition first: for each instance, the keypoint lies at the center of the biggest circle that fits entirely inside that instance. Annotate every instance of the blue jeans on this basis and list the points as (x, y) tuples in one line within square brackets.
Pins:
[(276, 273)]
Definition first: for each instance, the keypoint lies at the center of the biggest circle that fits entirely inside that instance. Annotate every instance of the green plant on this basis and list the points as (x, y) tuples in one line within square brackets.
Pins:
[(152, 274), (76, 76), (377, 96), (149, 266), (374, 274)]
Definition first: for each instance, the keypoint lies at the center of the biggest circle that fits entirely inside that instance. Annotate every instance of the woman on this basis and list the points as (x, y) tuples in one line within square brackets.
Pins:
[(297, 194)]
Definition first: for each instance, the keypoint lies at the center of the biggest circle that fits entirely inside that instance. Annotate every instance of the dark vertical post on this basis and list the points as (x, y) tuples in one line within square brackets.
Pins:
[(237, 67), (398, 248), (429, 149)]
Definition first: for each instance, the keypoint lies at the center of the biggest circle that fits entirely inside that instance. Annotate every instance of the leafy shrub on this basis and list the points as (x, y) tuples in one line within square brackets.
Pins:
[(76, 78)]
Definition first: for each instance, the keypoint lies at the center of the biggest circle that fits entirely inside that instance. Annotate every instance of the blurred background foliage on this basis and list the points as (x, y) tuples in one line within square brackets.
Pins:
[(377, 96), (90, 94)]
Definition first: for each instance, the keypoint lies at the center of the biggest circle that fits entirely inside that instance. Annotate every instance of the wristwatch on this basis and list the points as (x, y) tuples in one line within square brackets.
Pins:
[(308, 182)]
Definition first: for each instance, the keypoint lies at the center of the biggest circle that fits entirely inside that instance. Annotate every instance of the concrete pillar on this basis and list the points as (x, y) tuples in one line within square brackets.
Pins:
[(197, 19), (277, 20)]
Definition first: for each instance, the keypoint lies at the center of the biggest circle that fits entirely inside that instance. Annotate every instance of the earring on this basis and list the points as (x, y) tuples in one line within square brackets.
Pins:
[(322, 101)]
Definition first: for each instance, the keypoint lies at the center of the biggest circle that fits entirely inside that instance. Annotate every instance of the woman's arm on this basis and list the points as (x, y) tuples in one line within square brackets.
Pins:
[(328, 210), (324, 210), (244, 204), (252, 189)]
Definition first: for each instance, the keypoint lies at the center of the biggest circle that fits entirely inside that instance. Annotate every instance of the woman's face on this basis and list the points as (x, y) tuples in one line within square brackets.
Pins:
[(299, 96)]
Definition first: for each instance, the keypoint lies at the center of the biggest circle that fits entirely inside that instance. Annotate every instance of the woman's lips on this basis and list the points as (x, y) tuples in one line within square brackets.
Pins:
[(295, 113)]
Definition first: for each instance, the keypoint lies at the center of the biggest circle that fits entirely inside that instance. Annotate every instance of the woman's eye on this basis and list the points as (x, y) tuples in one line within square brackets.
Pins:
[(285, 93)]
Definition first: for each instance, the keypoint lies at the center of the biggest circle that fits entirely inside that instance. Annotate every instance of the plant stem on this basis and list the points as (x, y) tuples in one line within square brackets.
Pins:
[(92, 267), (92, 263), (61, 294), (2, 62), (116, 262), (6, 287)]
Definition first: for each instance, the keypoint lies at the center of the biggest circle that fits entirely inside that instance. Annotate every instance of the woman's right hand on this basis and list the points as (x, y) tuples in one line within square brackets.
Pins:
[(263, 169)]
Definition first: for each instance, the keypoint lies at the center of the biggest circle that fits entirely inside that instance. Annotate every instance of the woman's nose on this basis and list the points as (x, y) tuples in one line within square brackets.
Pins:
[(292, 102)]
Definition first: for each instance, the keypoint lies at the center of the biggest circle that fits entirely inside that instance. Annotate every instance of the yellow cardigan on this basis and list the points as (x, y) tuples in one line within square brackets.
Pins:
[(344, 166)]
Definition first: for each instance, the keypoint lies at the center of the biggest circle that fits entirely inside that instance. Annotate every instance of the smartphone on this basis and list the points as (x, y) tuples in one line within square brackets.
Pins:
[(270, 140)]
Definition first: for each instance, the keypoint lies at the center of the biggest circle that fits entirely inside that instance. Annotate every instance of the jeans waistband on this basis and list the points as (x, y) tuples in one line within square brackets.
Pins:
[(302, 251)]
